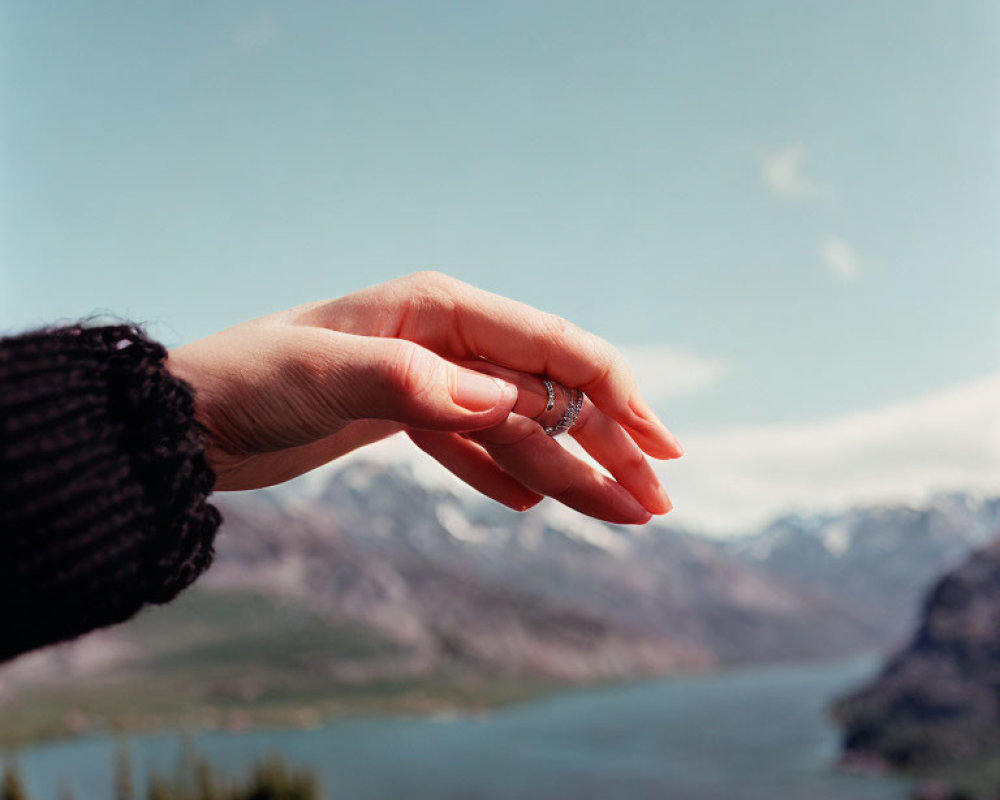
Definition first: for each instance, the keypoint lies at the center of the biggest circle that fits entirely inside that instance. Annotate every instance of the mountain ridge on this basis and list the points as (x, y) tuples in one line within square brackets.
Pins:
[(936, 702), (469, 598)]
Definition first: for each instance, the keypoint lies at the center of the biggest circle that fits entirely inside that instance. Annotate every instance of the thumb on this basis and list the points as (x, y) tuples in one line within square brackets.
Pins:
[(395, 379)]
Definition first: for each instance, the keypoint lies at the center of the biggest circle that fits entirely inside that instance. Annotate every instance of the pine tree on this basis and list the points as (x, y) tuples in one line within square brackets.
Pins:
[(159, 789), (12, 787), (275, 780), (124, 788), (207, 784)]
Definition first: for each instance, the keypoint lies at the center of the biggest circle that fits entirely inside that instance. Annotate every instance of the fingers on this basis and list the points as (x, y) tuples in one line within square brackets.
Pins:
[(391, 379), (518, 336), (460, 321), (612, 448), (522, 449), (602, 437), (470, 462)]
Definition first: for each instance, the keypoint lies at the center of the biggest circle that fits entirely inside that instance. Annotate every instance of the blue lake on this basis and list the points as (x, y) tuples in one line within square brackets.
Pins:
[(740, 735)]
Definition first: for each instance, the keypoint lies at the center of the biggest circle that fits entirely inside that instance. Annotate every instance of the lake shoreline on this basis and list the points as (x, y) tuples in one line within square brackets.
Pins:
[(435, 697), (693, 737)]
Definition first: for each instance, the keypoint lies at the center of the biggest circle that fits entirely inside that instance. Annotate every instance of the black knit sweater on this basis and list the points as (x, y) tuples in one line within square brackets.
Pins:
[(103, 483)]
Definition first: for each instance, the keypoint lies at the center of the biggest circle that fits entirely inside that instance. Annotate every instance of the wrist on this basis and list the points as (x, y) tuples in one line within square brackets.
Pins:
[(222, 453)]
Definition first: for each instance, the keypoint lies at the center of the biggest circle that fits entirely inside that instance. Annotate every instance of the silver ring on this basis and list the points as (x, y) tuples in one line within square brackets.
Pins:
[(569, 417)]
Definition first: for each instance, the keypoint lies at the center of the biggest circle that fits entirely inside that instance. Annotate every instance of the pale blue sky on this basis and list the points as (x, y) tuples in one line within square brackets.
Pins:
[(673, 175)]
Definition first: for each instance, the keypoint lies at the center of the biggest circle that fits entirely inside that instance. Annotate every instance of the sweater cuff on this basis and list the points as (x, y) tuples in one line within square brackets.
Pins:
[(103, 483)]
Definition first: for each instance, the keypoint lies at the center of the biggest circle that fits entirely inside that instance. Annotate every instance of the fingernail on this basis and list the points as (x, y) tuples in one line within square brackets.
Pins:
[(665, 502), (668, 438), (641, 407), (632, 509), (676, 445), (478, 392)]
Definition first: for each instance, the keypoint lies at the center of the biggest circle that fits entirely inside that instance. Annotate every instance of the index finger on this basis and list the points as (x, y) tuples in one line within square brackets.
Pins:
[(518, 336), (460, 321)]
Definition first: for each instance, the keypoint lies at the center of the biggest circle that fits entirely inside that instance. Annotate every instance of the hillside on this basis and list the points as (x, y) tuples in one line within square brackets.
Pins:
[(879, 559), (376, 547), (371, 589), (936, 706)]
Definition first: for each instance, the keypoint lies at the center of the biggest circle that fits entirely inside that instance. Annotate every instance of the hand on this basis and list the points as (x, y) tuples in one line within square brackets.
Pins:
[(283, 394)]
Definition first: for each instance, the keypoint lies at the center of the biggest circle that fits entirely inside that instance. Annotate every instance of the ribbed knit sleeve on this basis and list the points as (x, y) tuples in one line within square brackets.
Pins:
[(103, 483)]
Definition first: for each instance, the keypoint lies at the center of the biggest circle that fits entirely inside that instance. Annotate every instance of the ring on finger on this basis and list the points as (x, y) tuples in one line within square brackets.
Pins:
[(562, 420)]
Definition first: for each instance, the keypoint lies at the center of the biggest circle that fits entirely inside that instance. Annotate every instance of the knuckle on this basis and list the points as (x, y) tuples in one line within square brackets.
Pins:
[(509, 435), (409, 370), (559, 330), (565, 492), (430, 291), (604, 353), (438, 276), (564, 333), (608, 363), (634, 461), (522, 434), (430, 278)]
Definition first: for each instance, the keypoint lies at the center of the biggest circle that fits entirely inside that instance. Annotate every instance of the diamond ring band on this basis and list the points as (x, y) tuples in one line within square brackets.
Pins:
[(569, 414)]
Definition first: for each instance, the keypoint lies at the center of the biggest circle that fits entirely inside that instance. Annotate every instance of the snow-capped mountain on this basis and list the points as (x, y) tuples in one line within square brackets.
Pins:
[(878, 559), (448, 580), (426, 564)]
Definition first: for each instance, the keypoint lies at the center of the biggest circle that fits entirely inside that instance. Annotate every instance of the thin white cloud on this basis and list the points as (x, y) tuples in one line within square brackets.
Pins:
[(664, 372), (840, 258), (735, 481), (782, 173), (256, 33)]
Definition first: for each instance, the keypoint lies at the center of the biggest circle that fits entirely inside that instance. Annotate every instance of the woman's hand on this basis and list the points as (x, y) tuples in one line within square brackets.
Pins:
[(283, 394)]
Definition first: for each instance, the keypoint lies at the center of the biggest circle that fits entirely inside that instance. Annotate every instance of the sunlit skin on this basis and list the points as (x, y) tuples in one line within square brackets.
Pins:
[(282, 394)]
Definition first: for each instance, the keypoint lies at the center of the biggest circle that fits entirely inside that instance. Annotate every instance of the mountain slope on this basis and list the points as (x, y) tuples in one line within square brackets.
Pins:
[(880, 559), (371, 588), (439, 607), (937, 702), (371, 541)]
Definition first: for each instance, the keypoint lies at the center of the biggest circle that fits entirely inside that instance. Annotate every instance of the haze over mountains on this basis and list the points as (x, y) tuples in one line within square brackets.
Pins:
[(879, 560), (437, 580), (425, 565), (446, 575)]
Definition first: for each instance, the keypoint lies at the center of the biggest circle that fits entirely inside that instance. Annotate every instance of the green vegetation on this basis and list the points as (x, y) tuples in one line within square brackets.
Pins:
[(235, 660), (11, 787), (272, 779), (195, 779), (974, 780)]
